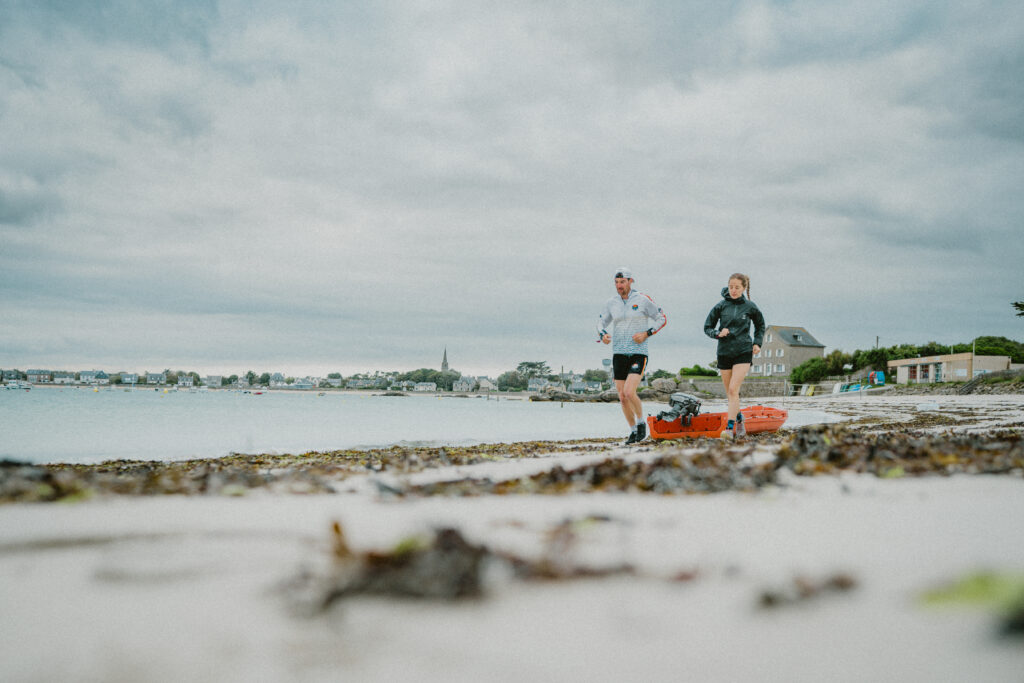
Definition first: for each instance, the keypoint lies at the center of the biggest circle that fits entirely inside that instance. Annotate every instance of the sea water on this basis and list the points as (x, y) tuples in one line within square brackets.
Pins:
[(80, 425)]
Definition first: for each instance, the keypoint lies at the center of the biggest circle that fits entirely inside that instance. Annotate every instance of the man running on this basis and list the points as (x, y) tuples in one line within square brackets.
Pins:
[(636, 318)]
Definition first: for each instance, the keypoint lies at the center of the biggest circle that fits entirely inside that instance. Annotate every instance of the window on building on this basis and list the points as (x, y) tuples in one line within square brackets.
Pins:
[(912, 372), (757, 368), (780, 368), (779, 353), (768, 338)]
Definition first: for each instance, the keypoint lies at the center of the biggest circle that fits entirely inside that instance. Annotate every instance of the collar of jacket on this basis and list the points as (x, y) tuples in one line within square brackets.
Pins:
[(725, 295)]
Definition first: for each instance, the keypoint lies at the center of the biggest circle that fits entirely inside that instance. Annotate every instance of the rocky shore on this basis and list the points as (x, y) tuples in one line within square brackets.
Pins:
[(1003, 383)]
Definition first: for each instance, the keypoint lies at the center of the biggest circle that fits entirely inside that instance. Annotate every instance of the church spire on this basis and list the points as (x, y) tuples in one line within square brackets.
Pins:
[(444, 361)]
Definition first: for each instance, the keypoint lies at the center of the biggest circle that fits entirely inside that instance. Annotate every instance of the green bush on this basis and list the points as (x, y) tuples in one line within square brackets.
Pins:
[(697, 371), (813, 370)]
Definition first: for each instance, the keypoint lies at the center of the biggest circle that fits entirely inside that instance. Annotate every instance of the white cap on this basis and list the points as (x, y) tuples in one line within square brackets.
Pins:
[(622, 271)]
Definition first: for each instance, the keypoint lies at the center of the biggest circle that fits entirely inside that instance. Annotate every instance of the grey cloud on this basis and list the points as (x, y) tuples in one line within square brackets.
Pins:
[(26, 207), (121, 21)]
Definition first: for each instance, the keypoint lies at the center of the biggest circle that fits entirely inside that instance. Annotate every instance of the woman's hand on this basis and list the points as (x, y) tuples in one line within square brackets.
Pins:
[(724, 332), (757, 349)]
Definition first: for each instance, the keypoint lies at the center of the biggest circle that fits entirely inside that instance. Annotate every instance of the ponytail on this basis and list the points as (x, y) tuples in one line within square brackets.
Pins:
[(744, 279)]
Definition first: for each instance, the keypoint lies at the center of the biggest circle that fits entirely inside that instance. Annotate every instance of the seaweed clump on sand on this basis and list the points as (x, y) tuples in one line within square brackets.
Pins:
[(708, 471), (442, 567), (831, 449), (238, 474)]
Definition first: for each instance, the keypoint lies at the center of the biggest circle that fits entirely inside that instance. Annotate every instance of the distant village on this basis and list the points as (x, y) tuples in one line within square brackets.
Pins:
[(782, 345), (784, 349), (387, 381)]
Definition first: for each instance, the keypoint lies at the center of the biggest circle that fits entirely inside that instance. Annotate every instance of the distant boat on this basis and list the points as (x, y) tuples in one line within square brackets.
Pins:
[(18, 384)]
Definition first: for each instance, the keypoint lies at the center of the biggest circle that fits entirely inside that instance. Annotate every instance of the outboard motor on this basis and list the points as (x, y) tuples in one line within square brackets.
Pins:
[(681, 405)]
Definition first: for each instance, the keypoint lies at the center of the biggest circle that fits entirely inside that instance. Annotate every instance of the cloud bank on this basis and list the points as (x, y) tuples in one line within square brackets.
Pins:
[(225, 186)]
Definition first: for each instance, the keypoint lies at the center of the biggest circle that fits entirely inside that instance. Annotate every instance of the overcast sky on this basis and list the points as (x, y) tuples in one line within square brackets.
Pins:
[(307, 187)]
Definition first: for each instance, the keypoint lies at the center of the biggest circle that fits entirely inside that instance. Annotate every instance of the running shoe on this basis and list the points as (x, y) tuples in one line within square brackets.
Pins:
[(740, 430), (632, 438), (641, 432)]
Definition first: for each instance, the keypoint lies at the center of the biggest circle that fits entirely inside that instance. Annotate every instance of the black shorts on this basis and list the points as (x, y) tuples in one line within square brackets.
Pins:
[(726, 362), (624, 366)]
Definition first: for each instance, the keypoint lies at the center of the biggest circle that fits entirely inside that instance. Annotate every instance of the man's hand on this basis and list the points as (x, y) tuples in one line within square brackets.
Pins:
[(640, 337), (606, 339)]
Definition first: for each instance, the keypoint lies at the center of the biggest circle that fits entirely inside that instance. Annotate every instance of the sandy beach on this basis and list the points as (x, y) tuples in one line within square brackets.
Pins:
[(885, 548)]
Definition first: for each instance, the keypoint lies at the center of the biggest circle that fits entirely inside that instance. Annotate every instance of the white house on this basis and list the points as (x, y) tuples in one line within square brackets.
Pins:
[(93, 377), (425, 386), (464, 384)]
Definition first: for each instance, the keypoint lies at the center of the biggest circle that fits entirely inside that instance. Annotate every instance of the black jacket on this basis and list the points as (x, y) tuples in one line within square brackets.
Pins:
[(737, 315)]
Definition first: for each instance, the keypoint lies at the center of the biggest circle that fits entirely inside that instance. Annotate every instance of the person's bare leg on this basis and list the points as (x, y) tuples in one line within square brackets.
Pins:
[(636, 405), (738, 374), (632, 407), (726, 380)]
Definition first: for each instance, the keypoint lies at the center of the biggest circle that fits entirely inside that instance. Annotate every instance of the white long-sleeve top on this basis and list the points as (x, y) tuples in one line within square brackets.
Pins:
[(635, 313)]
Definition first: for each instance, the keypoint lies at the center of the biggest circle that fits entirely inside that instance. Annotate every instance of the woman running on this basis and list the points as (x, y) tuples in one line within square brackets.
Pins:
[(729, 322)]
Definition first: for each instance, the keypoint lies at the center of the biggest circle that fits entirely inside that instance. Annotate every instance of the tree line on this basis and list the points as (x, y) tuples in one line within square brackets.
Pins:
[(839, 363)]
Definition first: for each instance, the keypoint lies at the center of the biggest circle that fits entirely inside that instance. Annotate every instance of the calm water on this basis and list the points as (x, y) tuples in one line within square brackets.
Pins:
[(86, 426)]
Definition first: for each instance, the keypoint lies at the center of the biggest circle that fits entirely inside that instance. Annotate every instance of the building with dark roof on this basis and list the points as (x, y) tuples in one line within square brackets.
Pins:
[(785, 348)]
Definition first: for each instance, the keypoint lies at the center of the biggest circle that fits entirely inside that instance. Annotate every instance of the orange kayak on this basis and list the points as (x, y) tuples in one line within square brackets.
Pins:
[(757, 419)]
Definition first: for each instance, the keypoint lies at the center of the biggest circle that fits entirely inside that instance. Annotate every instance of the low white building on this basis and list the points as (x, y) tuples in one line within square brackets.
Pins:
[(950, 367), (425, 386)]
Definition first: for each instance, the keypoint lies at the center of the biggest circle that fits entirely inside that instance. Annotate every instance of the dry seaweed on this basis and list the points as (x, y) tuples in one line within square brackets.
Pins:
[(444, 567), (313, 472), (803, 589), (830, 449), (708, 471)]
